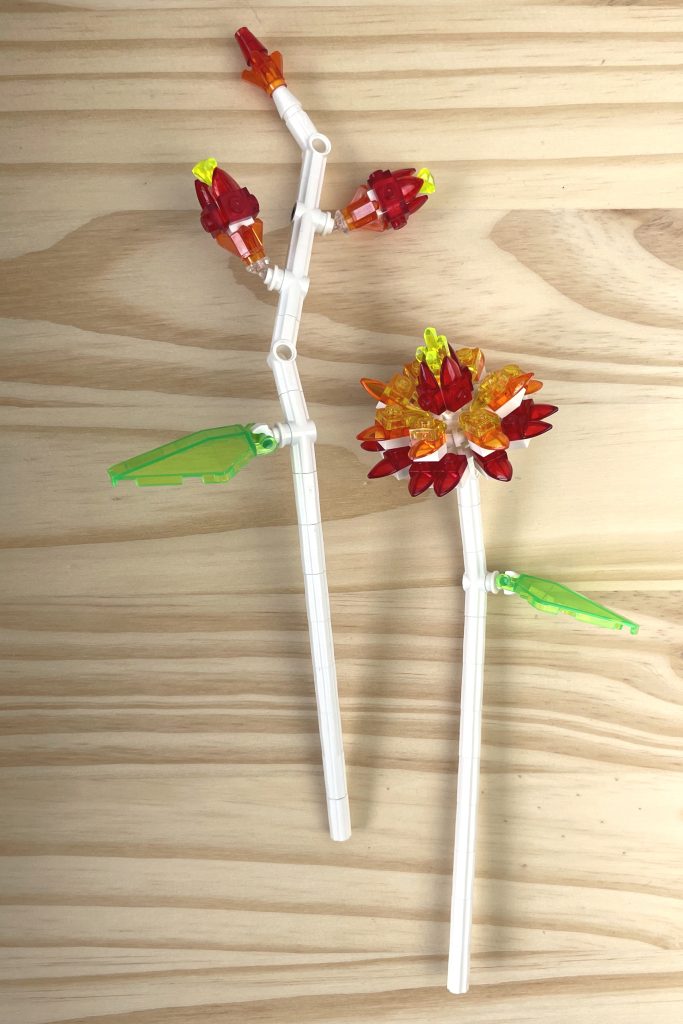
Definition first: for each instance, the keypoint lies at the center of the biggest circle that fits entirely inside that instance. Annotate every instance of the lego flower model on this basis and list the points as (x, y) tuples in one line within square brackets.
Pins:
[(442, 422), (230, 213), (441, 410)]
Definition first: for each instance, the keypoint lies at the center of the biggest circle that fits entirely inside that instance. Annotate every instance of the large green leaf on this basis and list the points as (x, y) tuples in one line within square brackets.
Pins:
[(214, 456), (551, 597)]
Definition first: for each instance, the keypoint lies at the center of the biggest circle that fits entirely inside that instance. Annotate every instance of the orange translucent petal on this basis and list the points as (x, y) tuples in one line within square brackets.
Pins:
[(391, 418), (266, 71), (421, 448), (246, 242), (507, 390), (473, 359), (369, 434), (483, 428), (362, 212), (412, 369), (375, 388)]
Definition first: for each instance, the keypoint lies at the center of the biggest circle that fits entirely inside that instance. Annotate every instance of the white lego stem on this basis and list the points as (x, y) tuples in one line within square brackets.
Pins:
[(300, 432), (475, 582)]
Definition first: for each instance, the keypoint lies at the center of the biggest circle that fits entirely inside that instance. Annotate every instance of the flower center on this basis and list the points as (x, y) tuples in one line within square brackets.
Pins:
[(450, 421)]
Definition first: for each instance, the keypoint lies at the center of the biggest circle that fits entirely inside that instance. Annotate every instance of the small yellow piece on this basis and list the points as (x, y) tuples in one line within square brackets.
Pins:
[(416, 419), (433, 351), (412, 369), (393, 419), (204, 170), (499, 387), (483, 427), (473, 359), (424, 427), (429, 186), (400, 389)]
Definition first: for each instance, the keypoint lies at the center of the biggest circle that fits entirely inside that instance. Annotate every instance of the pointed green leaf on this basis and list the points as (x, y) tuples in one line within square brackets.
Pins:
[(214, 455), (551, 597)]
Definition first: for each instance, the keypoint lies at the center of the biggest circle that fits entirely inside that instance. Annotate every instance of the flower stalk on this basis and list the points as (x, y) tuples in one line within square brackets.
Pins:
[(469, 755)]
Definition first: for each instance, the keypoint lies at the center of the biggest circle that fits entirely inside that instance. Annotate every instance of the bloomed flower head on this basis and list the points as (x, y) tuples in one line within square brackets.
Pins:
[(442, 411)]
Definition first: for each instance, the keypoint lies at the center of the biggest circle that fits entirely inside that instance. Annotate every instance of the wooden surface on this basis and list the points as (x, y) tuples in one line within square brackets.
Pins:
[(165, 857)]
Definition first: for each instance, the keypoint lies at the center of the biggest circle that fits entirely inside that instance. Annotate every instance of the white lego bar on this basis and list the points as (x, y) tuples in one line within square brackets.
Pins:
[(299, 431), (475, 583)]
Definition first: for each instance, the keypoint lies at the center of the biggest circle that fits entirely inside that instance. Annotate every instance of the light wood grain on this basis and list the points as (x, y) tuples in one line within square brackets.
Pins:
[(164, 851)]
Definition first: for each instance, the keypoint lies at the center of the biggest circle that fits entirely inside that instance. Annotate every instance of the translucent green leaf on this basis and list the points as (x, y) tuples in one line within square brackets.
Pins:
[(551, 597), (213, 455)]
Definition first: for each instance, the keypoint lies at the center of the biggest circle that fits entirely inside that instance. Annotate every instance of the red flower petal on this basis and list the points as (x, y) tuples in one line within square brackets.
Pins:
[(420, 478), (497, 465), (451, 371), (526, 421), (224, 202), (535, 429), (371, 446), (380, 469), (539, 411), (444, 474), (456, 384), (444, 484), (397, 194), (399, 457), (204, 194), (415, 204), (394, 460), (222, 183), (212, 220), (426, 377), (429, 394), (449, 471)]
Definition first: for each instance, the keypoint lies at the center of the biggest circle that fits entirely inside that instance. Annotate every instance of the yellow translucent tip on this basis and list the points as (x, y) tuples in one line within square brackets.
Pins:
[(429, 185), (204, 170), (433, 351)]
